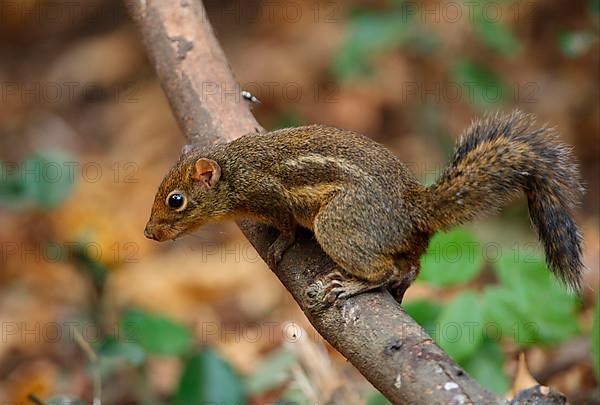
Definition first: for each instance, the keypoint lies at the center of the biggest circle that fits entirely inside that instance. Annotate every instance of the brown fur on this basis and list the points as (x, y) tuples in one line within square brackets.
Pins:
[(367, 211)]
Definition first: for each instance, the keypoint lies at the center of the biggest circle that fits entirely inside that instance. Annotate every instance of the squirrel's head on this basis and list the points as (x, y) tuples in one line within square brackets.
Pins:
[(189, 197)]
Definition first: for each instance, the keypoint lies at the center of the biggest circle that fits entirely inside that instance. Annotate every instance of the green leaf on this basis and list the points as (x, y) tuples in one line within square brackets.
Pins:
[(487, 367), (369, 34), (114, 355), (495, 35), (424, 312), (130, 352), (13, 193), (452, 258), (377, 398), (208, 378), (479, 84), (272, 373), (575, 44), (530, 306), (595, 338), (460, 326), (594, 12), (48, 178), (156, 334), (594, 7), (508, 319), (422, 40)]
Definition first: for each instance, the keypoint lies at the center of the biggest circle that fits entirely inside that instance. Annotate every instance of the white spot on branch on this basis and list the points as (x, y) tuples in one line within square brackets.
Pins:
[(450, 386)]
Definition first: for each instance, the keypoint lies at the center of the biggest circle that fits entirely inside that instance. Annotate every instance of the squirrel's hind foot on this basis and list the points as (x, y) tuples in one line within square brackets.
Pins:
[(398, 286)]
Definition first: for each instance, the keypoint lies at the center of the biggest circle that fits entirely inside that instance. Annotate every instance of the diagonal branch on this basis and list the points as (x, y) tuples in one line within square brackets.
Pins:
[(387, 346)]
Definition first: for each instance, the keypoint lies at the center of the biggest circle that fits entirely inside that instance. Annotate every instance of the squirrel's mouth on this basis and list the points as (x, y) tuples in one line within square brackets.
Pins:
[(161, 233)]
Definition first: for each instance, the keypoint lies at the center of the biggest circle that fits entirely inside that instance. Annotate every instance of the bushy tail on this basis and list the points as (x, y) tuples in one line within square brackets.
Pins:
[(501, 155)]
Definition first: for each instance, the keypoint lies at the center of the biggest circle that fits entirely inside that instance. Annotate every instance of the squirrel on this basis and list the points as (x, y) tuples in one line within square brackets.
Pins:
[(367, 211)]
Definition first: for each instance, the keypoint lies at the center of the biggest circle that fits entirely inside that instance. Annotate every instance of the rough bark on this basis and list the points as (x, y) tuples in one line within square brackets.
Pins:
[(371, 330)]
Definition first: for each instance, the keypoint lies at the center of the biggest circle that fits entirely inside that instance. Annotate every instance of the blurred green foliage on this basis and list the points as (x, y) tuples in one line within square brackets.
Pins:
[(377, 398), (531, 303), (208, 378), (457, 251), (486, 366), (43, 181), (114, 353), (527, 306), (156, 334), (272, 373), (372, 33), (424, 312), (495, 35), (574, 44), (461, 322), (479, 83), (369, 34), (287, 120)]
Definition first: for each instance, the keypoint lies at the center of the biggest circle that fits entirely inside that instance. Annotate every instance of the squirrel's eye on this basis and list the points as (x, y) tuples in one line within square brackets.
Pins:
[(176, 201)]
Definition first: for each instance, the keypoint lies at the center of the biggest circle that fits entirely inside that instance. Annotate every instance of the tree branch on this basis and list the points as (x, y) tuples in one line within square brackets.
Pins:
[(371, 330)]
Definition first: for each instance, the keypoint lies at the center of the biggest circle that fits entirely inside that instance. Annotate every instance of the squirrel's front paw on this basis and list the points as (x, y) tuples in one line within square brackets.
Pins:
[(277, 249), (274, 256)]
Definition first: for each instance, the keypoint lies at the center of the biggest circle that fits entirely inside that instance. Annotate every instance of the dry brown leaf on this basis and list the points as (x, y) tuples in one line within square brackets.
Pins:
[(183, 282), (523, 378), (40, 378)]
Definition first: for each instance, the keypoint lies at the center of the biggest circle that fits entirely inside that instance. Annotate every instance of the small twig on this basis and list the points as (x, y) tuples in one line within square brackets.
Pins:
[(93, 358)]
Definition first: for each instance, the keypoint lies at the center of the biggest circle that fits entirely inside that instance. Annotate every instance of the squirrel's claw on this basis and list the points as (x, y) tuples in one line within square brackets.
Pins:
[(334, 288)]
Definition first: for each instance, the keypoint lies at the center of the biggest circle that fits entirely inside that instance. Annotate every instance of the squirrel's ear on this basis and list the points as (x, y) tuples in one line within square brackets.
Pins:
[(207, 172)]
